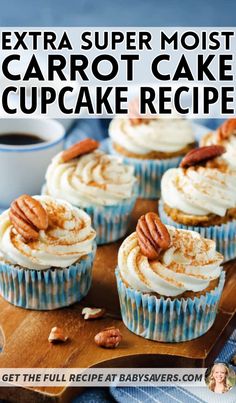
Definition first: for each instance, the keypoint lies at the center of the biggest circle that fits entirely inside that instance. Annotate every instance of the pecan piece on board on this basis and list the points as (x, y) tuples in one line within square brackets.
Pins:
[(93, 313), (108, 338), (57, 335)]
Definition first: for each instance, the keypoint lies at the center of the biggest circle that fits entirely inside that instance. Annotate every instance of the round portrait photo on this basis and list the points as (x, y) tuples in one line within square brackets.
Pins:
[(220, 378)]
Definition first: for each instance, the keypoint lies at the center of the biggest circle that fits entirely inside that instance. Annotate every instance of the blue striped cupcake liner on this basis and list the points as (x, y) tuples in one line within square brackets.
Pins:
[(224, 235), (166, 320), (111, 222), (46, 289), (148, 172)]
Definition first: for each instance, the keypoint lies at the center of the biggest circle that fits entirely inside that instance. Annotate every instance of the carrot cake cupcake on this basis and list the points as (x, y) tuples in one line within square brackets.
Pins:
[(47, 248), (151, 145), (169, 281), (200, 195), (97, 182)]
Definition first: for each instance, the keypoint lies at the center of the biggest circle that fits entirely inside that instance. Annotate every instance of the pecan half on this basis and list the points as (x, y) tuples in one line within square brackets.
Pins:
[(108, 338), (134, 115), (93, 313), (28, 217), (57, 335), (153, 236), (201, 155), (227, 129), (83, 147)]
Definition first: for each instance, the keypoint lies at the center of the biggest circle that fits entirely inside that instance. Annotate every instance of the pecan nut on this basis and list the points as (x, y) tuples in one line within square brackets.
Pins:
[(28, 217), (201, 155), (57, 335), (108, 338), (135, 117), (93, 313), (83, 147), (153, 236), (227, 129)]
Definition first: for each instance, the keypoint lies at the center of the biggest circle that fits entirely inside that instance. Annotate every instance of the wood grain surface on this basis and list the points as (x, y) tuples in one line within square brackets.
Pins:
[(25, 332)]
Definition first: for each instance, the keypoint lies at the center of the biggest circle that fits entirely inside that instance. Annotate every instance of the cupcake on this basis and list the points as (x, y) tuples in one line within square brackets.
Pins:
[(97, 182), (152, 146), (47, 248), (225, 135), (169, 281), (200, 195)]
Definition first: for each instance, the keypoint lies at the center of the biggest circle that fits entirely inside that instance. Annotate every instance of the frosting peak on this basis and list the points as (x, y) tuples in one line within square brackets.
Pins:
[(199, 190), (92, 179), (161, 135), (189, 264)]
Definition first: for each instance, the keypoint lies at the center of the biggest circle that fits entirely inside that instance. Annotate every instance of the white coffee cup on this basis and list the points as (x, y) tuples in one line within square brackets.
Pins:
[(23, 168)]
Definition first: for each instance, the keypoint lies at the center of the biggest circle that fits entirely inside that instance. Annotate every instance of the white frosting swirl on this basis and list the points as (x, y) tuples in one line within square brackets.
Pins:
[(199, 191), (93, 179), (161, 135), (189, 264), (68, 238), (230, 145)]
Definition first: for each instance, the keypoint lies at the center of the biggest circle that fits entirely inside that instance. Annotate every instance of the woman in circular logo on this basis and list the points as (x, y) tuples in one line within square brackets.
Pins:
[(219, 380)]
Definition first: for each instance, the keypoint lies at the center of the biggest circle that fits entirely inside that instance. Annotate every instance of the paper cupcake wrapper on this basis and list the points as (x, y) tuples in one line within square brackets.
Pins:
[(111, 222), (148, 172), (224, 235), (166, 320), (46, 289)]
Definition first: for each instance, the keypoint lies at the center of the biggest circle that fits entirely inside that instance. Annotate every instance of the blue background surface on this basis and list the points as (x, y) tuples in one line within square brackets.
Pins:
[(117, 12)]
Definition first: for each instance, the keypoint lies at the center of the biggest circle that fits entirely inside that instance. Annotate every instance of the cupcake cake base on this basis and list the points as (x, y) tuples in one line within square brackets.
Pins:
[(160, 155), (165, 320), (224, 235), (46, 289)]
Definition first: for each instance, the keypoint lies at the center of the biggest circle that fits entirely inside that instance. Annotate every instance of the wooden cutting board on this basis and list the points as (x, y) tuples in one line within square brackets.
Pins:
[(25, 333)]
